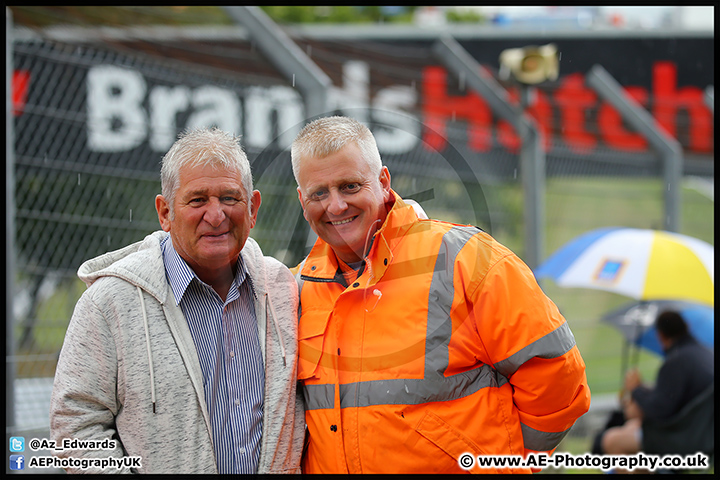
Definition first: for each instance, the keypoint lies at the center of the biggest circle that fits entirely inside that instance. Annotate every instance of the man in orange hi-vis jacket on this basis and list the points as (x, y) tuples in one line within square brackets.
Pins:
[(420, 342)]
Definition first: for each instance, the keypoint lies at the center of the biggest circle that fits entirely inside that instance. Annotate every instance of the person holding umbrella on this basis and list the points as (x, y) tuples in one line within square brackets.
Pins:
[(687, 372)]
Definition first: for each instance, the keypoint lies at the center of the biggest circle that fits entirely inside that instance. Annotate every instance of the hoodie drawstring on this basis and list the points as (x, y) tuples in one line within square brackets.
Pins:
[(149, 353), (277, 326)]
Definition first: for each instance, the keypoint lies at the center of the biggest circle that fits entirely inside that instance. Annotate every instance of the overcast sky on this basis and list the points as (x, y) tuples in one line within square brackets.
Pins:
[(644, 16)]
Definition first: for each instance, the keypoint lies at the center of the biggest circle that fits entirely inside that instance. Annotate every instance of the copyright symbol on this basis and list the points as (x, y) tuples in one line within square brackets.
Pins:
[(466, 461), (34, 444)]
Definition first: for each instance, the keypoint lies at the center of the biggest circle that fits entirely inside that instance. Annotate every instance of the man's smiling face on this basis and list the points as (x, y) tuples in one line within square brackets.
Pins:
[(211, 217), (343, 200)]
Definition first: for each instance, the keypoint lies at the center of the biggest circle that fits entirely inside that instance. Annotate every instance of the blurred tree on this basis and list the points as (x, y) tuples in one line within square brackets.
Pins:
[(465, 16), (64, 218), (339, 14), (44, 16)]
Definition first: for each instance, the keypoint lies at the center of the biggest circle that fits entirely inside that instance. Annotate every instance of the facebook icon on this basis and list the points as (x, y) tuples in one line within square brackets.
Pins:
[(17, 462)]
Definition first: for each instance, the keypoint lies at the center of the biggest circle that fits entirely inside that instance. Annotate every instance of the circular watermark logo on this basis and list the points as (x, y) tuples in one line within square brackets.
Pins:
[(440, 182)]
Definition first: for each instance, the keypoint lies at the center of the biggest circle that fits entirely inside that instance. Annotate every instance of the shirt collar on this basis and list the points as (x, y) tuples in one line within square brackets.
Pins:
[(180, 275)]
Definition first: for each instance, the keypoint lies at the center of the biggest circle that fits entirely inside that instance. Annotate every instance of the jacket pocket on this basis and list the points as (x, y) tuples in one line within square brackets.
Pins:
[(452, 441), (311, 338)]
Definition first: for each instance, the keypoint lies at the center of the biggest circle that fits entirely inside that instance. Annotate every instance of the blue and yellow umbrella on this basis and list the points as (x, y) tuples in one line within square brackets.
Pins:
[(638, 263)]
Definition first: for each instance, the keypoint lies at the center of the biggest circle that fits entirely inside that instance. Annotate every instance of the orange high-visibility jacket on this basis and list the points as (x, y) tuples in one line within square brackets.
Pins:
[(444, 345)]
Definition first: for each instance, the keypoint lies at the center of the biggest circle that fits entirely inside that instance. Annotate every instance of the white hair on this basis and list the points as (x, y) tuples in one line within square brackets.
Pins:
[(328, 135), (204, 147)]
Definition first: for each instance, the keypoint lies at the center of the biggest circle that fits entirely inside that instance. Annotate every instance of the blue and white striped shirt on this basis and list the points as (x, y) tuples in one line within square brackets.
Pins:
[(226, 339)]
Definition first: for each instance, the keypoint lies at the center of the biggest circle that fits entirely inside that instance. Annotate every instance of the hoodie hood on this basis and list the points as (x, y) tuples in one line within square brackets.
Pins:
[(141, 264)]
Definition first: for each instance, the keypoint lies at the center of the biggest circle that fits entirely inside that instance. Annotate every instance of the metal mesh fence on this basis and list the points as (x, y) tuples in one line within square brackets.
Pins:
[(75, 201)]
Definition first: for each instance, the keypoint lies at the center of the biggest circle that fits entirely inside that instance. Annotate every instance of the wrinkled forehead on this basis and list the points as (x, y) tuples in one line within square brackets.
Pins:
[(207, 175)]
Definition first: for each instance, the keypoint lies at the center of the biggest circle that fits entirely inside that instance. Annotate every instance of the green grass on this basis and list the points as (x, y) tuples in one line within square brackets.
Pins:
[(577, 205), (600, 344)]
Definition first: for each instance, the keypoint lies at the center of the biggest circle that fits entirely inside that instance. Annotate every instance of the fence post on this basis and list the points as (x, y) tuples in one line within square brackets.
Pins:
[(9, 229), (286, 56), (669, 148), (532, 156), (710, 98), (298, 67)]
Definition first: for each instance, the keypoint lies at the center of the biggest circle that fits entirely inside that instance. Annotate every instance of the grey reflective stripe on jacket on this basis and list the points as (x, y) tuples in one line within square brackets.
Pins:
[(555, 344), (435, 386)]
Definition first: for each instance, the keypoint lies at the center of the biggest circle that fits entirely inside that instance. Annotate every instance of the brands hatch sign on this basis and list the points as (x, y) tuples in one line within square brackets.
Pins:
[(125, 109)]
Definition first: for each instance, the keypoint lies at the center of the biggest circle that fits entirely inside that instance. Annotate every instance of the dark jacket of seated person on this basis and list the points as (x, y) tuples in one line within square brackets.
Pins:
[(687, 371)]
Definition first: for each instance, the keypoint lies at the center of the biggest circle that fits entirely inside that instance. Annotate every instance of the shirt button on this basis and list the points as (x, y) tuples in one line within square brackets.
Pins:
[(232, 354), (237, 402)]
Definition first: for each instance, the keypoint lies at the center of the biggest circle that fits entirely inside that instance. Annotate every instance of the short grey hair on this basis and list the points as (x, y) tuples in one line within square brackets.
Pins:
[(328, 135), (204, 147)]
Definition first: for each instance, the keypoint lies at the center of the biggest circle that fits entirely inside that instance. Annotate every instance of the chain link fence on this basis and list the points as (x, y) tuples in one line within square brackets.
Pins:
[(87, 173)]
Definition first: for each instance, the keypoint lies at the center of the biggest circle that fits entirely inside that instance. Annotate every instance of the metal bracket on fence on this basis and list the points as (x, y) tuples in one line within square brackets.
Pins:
[(669, 148), (532, 156)]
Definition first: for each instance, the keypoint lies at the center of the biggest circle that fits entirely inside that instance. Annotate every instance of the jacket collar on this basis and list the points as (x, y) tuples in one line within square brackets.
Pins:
[(680, 342)]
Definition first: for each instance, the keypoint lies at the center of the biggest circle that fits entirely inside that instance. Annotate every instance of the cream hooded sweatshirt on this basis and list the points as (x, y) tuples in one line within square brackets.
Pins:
[(128, 369)]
